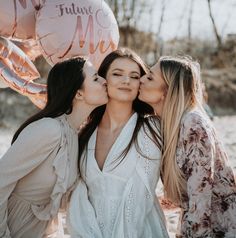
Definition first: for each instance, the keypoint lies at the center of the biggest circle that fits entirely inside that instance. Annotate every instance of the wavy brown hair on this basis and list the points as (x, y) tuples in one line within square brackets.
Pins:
[(140, 107)]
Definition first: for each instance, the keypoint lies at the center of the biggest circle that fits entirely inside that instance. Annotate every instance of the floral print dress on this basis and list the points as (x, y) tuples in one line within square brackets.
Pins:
[(209, 206)]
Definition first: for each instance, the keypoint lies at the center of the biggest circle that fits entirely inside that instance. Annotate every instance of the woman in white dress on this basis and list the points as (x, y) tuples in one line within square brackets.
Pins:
[(41, 164), (119, 161)]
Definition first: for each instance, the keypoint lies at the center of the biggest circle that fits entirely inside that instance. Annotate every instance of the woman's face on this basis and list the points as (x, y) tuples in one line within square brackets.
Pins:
[(123, 80), (153, 87), (94, 88)]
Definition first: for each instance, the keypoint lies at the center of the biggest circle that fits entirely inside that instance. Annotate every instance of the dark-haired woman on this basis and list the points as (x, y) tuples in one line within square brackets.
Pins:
[(40, 167), (119, 162)]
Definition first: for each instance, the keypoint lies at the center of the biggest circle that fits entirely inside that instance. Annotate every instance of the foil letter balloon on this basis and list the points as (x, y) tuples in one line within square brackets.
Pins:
[(2, 84), (17, 18), (70, 28), (18, 72)]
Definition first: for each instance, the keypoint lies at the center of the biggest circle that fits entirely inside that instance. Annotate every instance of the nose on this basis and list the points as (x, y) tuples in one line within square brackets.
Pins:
[(142, 79), (103, 81), (126, 79)]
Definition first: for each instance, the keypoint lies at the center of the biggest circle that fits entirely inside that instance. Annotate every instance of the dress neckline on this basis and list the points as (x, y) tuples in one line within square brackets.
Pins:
[(115, 144), (73, 128)]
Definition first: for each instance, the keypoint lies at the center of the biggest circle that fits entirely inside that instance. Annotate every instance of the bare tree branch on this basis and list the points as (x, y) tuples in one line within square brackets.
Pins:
[(163, 8), (218, 38)]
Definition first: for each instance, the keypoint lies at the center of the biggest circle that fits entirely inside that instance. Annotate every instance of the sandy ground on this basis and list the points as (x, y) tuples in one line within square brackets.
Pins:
[(226, 128)]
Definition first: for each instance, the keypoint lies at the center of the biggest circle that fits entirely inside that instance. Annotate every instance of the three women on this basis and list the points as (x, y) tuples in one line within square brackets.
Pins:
[(120, 154)]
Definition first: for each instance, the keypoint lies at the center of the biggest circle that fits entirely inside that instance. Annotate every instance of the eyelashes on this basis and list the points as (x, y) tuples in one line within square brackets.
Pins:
[(120, 75)]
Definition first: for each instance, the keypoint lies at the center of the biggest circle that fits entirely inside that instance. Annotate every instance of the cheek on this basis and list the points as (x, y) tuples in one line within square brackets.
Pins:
[(152, 94), (91, 90), (136, 85), (111, 82)]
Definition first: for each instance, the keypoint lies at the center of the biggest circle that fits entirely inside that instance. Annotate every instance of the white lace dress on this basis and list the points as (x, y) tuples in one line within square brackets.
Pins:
[(118, 201)]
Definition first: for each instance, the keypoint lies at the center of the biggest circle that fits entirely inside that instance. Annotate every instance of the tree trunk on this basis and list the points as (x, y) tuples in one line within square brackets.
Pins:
[(218, 38)]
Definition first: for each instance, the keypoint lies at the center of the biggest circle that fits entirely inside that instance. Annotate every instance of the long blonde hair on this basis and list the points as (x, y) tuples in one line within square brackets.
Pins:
[(182, 77)]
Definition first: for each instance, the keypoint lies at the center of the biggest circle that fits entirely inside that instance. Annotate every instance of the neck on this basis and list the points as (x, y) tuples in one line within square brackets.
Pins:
[(79, 114), (158, 109), (116, 115)]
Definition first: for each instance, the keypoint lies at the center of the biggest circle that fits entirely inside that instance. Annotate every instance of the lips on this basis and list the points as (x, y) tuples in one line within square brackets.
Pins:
[(125, 89)]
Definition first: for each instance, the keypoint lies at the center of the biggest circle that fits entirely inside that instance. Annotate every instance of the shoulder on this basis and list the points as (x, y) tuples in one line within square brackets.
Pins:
[(45, 128), (196, 119), (152, 123), (196, 126), (150, 132)]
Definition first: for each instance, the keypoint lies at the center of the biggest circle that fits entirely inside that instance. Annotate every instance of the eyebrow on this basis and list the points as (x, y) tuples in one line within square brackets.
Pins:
[(96, 74)]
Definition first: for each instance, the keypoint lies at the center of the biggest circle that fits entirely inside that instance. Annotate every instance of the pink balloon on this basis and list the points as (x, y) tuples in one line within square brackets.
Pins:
[(30, 48), (17, 18), (17, 61), (2, 84), (18, 72), (65, 29)]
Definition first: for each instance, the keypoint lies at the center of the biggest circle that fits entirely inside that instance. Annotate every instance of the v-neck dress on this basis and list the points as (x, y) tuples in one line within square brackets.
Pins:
[(120, 200), (36, 174)]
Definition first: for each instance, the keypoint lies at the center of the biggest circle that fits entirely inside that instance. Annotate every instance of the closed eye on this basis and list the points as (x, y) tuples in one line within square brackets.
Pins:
[(135, 77)]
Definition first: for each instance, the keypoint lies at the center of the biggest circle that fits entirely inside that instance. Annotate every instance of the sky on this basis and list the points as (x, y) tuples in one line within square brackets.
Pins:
[(176, 18)]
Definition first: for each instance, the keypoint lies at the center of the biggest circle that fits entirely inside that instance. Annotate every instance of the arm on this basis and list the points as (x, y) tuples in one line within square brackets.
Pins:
[(196, 162), (31, 148)]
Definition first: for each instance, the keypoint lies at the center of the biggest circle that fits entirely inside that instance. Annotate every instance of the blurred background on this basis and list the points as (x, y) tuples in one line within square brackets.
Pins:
[(204, 29)]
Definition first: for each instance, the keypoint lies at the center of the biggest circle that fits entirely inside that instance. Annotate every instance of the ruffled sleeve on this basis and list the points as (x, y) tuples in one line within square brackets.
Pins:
[(195, 157), (65, 168), (31, 148)]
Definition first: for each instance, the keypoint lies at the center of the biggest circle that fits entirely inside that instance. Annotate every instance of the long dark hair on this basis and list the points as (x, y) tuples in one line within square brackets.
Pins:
[(140, 107), (64, 79)]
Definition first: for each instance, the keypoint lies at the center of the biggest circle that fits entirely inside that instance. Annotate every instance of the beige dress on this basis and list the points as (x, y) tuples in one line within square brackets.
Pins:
[(37, 170)]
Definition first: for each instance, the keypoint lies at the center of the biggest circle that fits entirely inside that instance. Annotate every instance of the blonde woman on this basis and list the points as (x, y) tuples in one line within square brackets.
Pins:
[(195, 169)]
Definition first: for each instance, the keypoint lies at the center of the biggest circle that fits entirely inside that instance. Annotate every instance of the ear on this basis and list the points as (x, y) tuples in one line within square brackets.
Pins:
[(163, 97), (164, 94), (79, 95)]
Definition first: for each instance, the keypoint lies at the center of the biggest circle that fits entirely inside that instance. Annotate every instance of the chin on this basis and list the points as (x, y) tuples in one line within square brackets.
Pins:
[(142, 99)]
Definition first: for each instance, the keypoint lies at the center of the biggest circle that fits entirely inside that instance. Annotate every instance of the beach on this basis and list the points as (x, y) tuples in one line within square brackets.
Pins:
[(226, 130)]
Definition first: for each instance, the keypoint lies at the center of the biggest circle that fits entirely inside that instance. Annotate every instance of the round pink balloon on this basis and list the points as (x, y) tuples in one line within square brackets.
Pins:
[(17, 18), (65, 29)]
